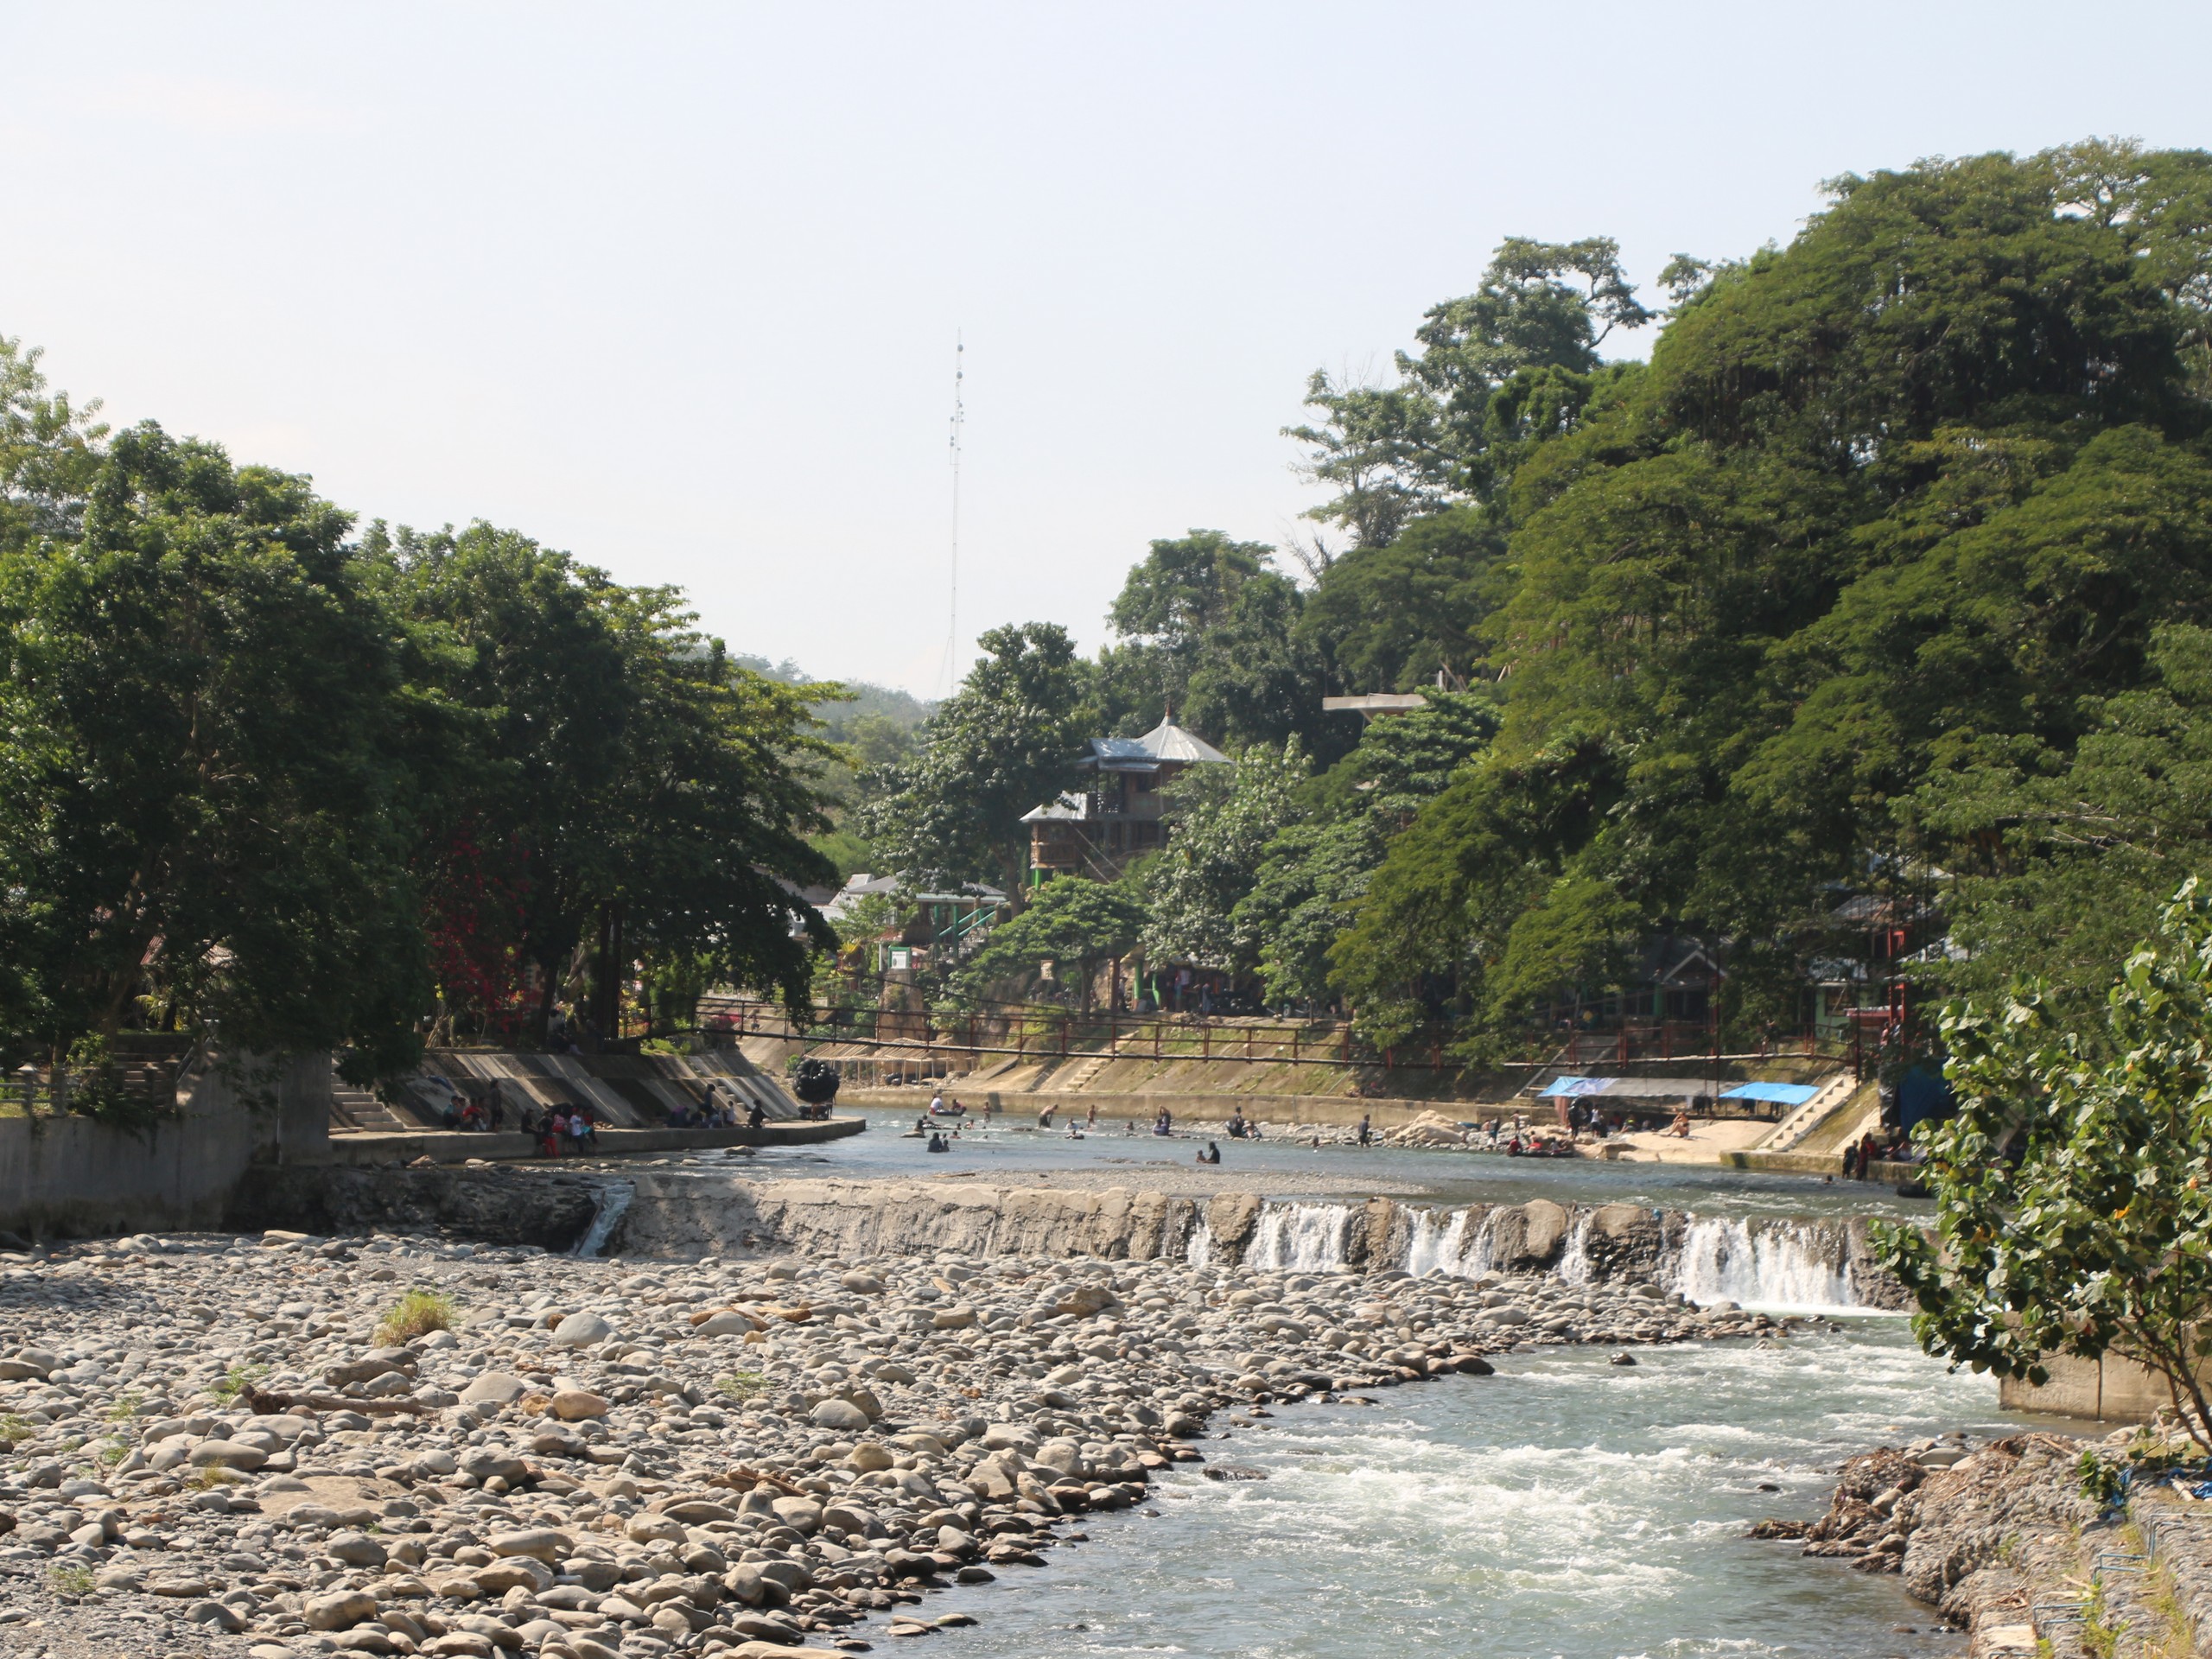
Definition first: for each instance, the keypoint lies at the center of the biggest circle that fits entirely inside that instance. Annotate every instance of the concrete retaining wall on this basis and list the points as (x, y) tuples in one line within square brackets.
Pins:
[(1884, 1173), (2112, 1389), (74, 1176), (447, 1146)]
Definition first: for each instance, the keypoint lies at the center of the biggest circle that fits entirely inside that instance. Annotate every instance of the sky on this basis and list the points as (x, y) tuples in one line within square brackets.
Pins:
[(677, 287)]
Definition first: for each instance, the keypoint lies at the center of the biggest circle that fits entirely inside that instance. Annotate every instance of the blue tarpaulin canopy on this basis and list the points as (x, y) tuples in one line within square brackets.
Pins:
[(1782, 1094), (1616, 1088)]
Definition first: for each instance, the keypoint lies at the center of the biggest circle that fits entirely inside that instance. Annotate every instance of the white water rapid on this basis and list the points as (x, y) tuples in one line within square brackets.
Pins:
[(614, 1203), (1299, 1237), (1778, 1264), (1199, 1251), (1765, 1263)]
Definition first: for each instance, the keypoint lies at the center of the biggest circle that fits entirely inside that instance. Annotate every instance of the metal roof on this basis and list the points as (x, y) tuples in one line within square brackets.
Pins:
[(1622, 1088), (1782, 1094), (1166, 743), (1075, 807)]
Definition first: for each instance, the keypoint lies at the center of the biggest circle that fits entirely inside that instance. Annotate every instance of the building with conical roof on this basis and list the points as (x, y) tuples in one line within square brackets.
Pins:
[(1122, 813)]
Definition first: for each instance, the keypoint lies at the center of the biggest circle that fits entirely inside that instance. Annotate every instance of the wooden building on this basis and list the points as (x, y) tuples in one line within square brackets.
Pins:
[(1121, 811)]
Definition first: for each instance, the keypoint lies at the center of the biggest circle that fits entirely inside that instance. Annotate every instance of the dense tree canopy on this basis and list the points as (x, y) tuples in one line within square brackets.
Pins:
[(206, 805), (318, 792), (1888, 576), (1006, 741), (1887, 503)]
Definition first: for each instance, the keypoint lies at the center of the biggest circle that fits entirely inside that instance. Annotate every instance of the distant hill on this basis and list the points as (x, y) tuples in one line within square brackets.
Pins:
[(902, 708)]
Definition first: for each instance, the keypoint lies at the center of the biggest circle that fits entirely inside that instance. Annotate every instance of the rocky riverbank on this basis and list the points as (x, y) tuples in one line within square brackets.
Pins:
[(2002, 1541), (217, 1445)]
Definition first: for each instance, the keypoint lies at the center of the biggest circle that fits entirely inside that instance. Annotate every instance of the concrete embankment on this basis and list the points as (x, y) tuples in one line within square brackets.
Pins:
[(456, 1146), (73, 1175), (1203, 1109)]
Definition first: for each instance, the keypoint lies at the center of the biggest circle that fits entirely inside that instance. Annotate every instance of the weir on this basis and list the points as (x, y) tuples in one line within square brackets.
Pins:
[(1762, 1261), (1766, 1263)]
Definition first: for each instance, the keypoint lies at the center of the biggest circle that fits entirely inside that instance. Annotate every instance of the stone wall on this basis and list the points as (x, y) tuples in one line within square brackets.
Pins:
[(75, 1176)]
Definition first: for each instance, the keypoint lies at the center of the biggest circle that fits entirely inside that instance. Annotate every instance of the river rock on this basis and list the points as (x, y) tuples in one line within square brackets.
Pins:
[(354, 1548), (578, 1405), (582, 1329), (839, 1414), (543, 1542), (494, 1387), (226, 1454), (801, 1515), (339, 1612)]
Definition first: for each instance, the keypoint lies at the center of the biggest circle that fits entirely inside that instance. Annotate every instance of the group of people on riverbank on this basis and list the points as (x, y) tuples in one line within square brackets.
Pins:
[(1861, 1155), (562, 1131), (719, 1110)]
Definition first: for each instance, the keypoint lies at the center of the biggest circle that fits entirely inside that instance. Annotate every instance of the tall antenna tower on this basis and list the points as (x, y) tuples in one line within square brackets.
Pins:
[(959, 420)]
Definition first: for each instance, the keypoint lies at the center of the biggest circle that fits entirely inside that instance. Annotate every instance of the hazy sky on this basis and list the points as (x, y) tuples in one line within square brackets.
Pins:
[(675, 287)]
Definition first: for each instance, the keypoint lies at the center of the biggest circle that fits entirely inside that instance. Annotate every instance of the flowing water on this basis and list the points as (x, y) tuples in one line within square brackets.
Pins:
[(1563, 1508), (1338, 1171), (1765, 1261), (614, 1201)]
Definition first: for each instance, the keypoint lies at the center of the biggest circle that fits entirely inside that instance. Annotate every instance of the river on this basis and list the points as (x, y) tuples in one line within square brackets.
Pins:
[(1564, 1509), (1334, 1171)]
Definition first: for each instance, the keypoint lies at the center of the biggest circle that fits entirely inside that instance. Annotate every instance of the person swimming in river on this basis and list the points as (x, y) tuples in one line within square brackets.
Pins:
[(937, 1141), (1210, 1154)]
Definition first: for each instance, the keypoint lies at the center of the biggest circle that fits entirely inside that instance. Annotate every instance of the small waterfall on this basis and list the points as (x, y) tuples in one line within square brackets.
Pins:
[(1437, 1243), (1299, 1237), (1573, 1266), (1776, 1264), (1199, 1251), (1480, 1254), (613, 1204)]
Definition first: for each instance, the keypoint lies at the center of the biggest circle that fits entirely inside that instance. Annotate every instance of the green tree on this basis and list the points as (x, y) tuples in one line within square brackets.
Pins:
[(1886, 503), (50, 452), (206, 791), (1222, 819), (1072, 921), (1479, 863), (626, 787), (1398, 453), (1006, 741), (1317, 866), (2061, 861), (1389, 617), (2073, 1212)]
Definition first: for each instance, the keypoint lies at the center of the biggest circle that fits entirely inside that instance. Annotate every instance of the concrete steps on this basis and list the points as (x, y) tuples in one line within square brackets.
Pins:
[(356, 1111), (1801, 1122)]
